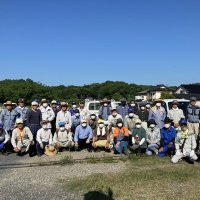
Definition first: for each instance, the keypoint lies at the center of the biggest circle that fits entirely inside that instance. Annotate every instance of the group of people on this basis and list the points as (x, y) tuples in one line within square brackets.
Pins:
[(128, 128)]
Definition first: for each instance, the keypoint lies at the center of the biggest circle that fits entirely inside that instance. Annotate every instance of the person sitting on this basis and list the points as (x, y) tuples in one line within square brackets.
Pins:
[(139, 144), (83, 136), (101, 137), (121, 137), (44, 138), (153, 138), (168, 135), (4, 140), (185, 144), (21, 138), (62, 138)]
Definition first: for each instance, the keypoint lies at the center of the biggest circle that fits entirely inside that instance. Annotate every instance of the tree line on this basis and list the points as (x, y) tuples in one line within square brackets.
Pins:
[(30, 90)]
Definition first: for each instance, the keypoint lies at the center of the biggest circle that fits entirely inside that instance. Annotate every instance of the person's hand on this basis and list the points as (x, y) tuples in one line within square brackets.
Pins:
[(94, 145), (57, 144), (161, 149), (41, 146), (178, 153), (76, 144), (30, 142), (16, 149), (118, 143), (170, 144), (176, 125)]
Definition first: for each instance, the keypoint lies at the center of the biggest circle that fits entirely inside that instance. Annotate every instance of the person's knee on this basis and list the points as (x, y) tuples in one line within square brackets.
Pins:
[(149, 153)]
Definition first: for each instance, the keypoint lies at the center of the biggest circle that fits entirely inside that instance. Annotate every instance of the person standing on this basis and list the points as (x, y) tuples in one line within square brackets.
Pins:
[(123, 108), (158, 113), (105, 109)]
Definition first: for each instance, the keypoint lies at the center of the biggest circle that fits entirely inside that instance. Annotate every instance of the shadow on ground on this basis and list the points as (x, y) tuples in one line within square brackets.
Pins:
[(99, 195)]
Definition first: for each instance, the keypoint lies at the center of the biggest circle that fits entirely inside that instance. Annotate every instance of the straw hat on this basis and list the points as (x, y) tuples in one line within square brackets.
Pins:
[(50, 151), (8, 103)]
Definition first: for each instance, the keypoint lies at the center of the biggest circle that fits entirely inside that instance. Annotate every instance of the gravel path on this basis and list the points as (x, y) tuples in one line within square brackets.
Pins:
[(46, 182)]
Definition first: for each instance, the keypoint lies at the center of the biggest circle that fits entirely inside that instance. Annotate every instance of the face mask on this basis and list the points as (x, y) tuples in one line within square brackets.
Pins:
[(44, 127), (20, 127), (142, 108), (114, 114), (133, 104), (131, 115), (62, 128), (120, 125), (158, 104), (167, 126), (152, 125), (101, 125), (45, 105), (138, 125), (84, 125), (93, 117), (105, 104), (184, 128), (74, 106), (148, 106), (77, 114)]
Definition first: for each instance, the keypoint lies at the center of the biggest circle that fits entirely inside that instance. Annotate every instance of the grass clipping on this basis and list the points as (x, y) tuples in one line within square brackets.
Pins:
[(144, 178)]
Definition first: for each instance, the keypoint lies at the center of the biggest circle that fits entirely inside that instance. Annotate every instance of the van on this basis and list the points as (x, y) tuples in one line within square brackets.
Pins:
[(183, 104), (94, 105)]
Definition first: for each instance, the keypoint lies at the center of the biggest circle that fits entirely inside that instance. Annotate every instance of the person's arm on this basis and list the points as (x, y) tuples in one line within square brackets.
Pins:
[(2, 116), (177, 143), (70, 119), (40, 116), (28, 118), (194, 143), (29, 133), (38, 137), (13, 139), (55, 137), (7, 137), (70, 136), (76, 134), (150, 115), (90, 132), (100, 112), (57, 119), (50, 138), (148, 140), (157, 140), (108, 135), (182, 115)]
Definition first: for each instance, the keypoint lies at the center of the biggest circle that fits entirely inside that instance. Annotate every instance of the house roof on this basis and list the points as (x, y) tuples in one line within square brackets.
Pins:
[(192, 89)]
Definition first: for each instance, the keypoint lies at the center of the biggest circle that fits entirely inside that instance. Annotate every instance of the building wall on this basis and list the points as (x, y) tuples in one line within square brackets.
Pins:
[(180, 91)]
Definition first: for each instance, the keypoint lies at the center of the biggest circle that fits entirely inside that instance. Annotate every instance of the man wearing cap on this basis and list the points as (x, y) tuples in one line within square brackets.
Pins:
[(112, 119), (92, 121), (193, 116), (153, 138), (8, 117), (55, 110), (21, 138), (47, 113), (129, 121), (64, 116), (143, 115), (76, 120), (123, 108), (83, 136), (63, 139), (4, 139), (105, 109), (168, 135), (158, 113), (175, 114), (185, 144), (34, 118), (121, 138), (138, 140), (73, 109), (84, 112), (101, 136), (22, 110), (44, 138)]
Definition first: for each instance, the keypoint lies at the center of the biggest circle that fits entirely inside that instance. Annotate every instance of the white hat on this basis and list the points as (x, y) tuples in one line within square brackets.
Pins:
[(19, 121), (34, 103), (54, 101)]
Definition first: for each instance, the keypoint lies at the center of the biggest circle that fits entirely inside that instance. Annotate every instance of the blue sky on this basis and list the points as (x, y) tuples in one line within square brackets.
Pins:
[(77, 42)]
